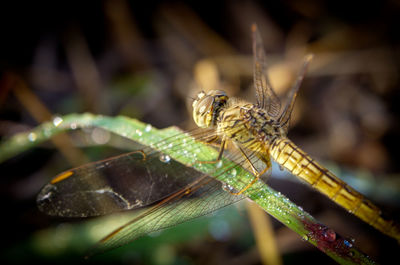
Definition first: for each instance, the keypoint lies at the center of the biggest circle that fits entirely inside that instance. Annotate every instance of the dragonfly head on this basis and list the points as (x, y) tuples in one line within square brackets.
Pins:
[(206, 107)]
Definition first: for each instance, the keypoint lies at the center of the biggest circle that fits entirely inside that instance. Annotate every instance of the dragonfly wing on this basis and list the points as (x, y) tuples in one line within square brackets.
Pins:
[(203, 196), (119, 183), (291, 98), (266, 97)]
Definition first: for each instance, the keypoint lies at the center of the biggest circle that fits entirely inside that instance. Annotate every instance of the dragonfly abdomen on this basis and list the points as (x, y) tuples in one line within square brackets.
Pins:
[(288, 155)]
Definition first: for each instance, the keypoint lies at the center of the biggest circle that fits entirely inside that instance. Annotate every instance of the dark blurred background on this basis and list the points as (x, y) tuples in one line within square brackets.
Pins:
[(145, 59)]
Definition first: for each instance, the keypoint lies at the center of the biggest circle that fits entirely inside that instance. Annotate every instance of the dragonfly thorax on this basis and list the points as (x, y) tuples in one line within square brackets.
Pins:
[(248, 125), (206, 107)]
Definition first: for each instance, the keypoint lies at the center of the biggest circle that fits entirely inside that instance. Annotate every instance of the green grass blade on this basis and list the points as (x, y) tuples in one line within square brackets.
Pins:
[(277, 205)]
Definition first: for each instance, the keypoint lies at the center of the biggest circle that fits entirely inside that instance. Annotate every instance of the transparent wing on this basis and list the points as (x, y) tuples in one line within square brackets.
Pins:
[(199, 198), (266, 97), (124, 182), (121, 183), (291, 98)]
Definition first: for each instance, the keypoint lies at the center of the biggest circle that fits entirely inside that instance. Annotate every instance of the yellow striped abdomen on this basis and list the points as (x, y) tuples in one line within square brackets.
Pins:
[(288, 155)]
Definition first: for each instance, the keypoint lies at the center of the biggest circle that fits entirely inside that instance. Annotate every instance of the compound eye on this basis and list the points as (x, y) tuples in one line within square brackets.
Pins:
[(205, 105), (218, 93)]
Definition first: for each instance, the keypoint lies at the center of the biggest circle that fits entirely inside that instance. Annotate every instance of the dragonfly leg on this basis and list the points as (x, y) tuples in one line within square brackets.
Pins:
[(220, 152), (257, 174)]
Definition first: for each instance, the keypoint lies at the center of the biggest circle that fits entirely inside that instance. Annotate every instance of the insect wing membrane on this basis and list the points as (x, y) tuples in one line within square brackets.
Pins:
[(120, 183), (202, 197), (266, 97)]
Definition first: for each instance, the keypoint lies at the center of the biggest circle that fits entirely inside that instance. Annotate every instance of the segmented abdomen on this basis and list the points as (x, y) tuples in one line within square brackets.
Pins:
[(288, 155)]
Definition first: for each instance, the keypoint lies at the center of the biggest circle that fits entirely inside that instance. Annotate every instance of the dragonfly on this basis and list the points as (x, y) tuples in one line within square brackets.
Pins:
[(251, 135)]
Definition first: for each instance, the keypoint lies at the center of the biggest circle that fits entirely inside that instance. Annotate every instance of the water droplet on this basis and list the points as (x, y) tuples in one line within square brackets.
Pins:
[(219, 164), (304, 238), (170, 145), (138, 132), (347, 243), (288, 222), (147, 128), (57, 121), (73, 126), (32, 137), (233, 172), (328, 234), (227, 187), (165, 158)]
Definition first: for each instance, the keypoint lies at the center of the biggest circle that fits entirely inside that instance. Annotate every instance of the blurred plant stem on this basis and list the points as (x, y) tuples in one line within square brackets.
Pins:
[(264, 234)]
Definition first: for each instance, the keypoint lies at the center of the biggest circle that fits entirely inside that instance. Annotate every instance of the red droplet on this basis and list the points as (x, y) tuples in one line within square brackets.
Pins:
[(328, 234)]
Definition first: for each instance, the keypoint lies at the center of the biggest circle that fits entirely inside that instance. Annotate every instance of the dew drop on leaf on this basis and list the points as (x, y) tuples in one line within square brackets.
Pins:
[(165, 158), (347, 243), (32, 137), (57, 121), (227, 187)]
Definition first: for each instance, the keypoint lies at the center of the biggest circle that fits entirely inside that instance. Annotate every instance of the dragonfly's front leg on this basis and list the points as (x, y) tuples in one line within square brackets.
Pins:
[(220, 152)]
